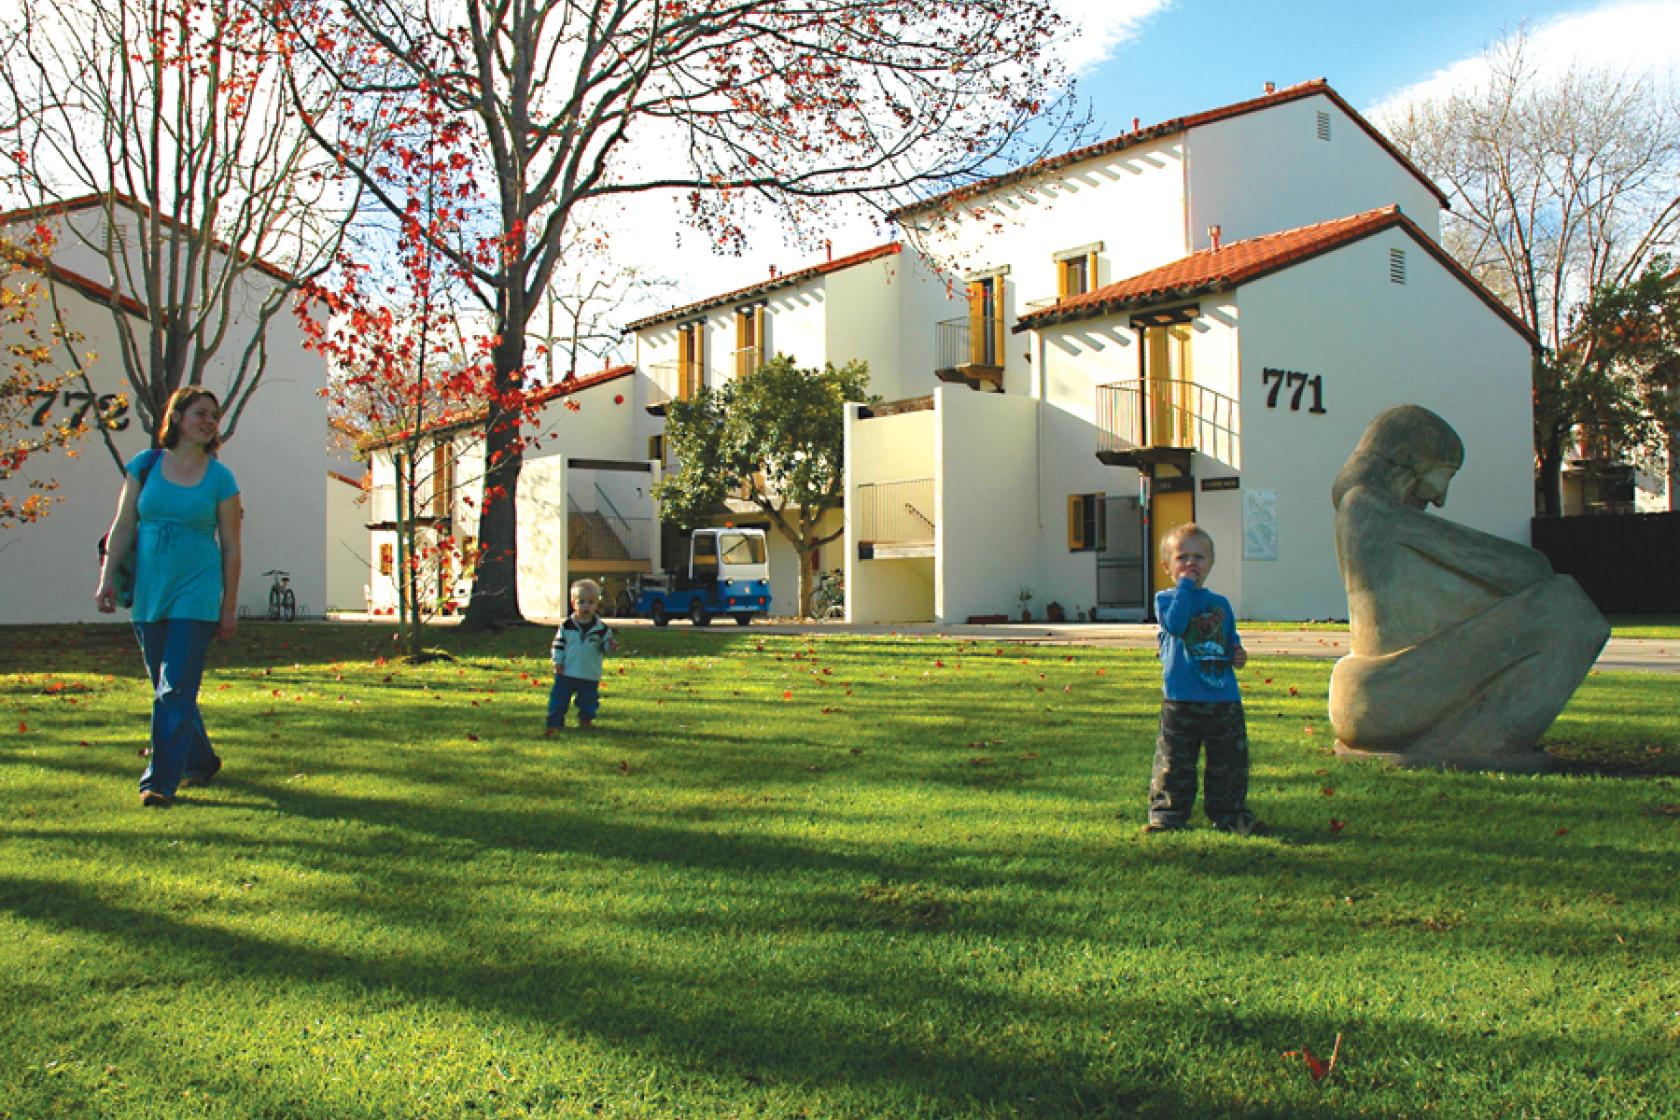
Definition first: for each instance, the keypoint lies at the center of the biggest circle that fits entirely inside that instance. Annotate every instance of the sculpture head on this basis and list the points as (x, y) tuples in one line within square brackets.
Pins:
[(1408, 453)]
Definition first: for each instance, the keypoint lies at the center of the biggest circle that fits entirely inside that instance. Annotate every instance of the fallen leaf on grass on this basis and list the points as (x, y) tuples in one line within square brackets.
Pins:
[(1336, 825), (1560, 832), (471, 738), (1317, 1068), (624, 766), (1328, 791)]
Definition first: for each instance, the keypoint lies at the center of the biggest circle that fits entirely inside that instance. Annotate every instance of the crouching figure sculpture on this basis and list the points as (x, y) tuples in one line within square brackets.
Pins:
[(1465, 647)]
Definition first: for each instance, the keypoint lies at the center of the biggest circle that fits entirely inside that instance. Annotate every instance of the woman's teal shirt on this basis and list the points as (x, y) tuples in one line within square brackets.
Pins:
[(178, 562)]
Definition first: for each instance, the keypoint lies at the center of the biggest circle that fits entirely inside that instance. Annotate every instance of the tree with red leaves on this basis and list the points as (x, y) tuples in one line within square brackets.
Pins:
[(710, 101), (38, 365)]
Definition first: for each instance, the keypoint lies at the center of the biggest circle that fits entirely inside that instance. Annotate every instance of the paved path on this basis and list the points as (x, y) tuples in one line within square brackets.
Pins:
[(1649, 655)]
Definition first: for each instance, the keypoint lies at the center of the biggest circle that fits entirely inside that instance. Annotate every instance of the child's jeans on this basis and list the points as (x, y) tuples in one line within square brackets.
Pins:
[(1185, 726), (588, 694)]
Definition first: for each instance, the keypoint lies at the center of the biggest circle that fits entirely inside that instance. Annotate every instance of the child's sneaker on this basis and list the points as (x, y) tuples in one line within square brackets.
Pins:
[(1246, 826), (551, 731), (1161, 826), (585, 723)]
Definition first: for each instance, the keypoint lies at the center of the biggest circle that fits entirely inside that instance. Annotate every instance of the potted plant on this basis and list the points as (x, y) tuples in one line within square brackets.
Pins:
[(1053, 612), (1025, 595)]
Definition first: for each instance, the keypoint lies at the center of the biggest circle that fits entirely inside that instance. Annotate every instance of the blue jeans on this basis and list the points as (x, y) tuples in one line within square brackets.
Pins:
[(174, 650), (588, 695)]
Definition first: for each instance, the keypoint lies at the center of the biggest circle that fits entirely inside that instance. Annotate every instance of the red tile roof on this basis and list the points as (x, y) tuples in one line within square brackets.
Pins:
[(1317, 87), (1224, 268), (89, 201), (541, 396), (764, 287)]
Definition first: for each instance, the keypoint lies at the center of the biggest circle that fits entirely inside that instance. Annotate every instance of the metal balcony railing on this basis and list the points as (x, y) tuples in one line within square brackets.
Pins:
[(896, 512), (968, 342), (1146, 415), (748, 359), (674, 379)]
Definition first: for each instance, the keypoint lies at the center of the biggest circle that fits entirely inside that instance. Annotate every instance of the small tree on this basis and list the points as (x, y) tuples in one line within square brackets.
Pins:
[(40, 410), (1632, 333), (775, 438)]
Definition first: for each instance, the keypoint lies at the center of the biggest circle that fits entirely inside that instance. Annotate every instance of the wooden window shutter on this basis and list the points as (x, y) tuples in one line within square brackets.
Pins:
[(1076, 522), (1099, 523), (1064, 287), (1091, 271), (762, 353), (743, 339)]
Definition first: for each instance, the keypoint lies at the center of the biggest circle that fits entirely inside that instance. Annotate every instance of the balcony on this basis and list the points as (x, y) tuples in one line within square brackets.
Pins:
[(382, 510), (895, 519), (602, 540), (969, 351), (678, 379), (1142, 423)]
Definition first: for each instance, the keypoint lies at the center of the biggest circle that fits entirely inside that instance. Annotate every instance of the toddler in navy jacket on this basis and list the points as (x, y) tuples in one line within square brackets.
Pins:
[(580, 646)]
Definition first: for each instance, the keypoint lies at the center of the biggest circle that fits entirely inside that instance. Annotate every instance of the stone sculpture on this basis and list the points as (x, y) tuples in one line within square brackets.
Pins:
[(1465, 647)]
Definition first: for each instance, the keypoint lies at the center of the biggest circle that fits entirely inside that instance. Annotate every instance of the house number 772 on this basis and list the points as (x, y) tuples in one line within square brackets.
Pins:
[(1281, 379)]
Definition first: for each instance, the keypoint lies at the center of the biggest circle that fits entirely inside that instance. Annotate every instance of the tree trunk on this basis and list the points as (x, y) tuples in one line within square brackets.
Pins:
[(1551, 484), (495, 593), (803, 609)]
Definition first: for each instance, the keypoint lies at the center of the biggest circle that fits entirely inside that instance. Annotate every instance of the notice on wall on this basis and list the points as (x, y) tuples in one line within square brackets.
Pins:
[(1260, 525)]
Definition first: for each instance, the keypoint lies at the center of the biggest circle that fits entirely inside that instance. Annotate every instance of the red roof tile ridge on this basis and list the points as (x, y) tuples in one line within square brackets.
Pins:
[(783, 280)]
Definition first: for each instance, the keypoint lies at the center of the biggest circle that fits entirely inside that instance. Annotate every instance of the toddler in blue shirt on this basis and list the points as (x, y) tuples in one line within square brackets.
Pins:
[(579, 648)]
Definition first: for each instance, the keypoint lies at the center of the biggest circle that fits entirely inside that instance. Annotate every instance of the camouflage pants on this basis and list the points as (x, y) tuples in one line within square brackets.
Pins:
[(1185, 727)]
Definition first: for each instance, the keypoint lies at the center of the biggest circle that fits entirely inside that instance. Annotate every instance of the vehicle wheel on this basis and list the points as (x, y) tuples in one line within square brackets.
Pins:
[(743, 620), (625, 605), (697, 614), (288, 604), (657, 612), (835, 613), (273, 604)]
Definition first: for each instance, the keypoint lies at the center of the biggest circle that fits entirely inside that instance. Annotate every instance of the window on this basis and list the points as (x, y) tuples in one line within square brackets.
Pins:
[(749, 339), (1397, 266), (705, 556), (738, 548), (656, 448), (1076, 270), (1085, 523), (443, 480), (691, 359), (387, 558)]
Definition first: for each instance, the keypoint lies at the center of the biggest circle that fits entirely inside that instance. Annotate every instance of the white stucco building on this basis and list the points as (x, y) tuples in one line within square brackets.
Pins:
[(585, 501), (880, 306), (277, 451), (1194, 320)]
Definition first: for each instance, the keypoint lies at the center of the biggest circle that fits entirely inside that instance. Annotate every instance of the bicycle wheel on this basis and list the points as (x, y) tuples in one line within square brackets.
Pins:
[(274, 604), (288, 604), (625, 604)]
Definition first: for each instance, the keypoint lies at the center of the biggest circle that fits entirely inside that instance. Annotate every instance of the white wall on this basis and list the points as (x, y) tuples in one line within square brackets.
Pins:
[(278, 454), (887, 449), (986, 539), (348, 542), (1429, 342), (1266, 171), (541, 538)]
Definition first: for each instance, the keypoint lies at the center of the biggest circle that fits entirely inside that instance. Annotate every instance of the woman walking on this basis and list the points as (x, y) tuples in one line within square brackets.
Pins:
[(179, 510)]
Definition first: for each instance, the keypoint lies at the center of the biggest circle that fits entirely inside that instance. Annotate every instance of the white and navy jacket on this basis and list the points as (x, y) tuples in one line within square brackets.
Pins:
[(577, 651)]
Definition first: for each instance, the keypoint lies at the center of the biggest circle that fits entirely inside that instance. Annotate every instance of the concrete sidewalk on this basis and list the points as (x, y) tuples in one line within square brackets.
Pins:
[(1646, 655)]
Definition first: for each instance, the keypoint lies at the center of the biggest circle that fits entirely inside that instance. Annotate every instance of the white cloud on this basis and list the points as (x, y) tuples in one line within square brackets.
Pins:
[(1100, 26), (1642, 36)]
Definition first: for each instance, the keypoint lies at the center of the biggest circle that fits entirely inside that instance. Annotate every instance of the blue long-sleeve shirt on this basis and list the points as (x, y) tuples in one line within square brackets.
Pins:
[(1197, 638)]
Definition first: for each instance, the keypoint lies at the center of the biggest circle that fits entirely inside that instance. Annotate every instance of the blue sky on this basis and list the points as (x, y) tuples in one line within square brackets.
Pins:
[(1197, 54)]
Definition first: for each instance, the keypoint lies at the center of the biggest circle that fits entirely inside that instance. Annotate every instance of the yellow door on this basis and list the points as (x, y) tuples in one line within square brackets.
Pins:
[(980, 322), (1167, 366), (1166, 513)]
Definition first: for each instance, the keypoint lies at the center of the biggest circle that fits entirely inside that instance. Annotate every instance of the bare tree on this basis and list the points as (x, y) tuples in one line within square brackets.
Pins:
[(165, 125), (1560, 183), (713, 101)]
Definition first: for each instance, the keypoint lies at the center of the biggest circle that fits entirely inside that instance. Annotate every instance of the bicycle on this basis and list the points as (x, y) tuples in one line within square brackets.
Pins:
[(828, 599), (282, 600)]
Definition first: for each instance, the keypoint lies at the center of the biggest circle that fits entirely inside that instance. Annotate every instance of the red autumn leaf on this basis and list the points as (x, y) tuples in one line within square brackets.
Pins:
[(471, 738), (23, 728), (1561, 831), (624, 766), (1318, 1068), (939, 664), (1268, 680), (1293, 691), (1328, 791), (83, 743), (787, 695), (1336, 825)]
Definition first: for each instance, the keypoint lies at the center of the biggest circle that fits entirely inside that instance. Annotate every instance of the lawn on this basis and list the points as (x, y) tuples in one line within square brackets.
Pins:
[(806, 878), (1661, 626)]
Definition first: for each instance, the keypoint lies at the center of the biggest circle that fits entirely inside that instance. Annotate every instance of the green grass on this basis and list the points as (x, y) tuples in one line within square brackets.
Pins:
[(818, 878)]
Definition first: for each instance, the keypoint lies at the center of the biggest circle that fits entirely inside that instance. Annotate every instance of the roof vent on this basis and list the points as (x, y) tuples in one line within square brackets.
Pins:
[(1397, 266), (1271, 87), (1323, 125), (1213, 237)]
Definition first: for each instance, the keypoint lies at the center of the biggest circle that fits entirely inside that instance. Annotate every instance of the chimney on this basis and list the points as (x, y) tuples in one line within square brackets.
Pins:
[(828, 245), (1271, 87), (1136, 124), (772, 272), (1213, 237)]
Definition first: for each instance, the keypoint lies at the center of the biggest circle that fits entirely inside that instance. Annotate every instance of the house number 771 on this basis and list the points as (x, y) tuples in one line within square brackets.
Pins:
[(1299, 383)]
